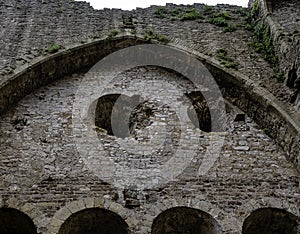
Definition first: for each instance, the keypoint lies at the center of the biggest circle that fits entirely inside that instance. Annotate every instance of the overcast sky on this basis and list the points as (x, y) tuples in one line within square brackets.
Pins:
[(132, 4)]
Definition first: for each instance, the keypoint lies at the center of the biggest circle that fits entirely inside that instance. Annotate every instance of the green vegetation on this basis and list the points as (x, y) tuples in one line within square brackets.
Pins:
[(266, 131), (133, 31), (261, 40), (262, 43), (225, 59), (216, 18), (208, 10), (242, 11), (161, 12), (161, 38), (10, 70), (59, 9), (112, 34), (149, 35), (176, 11), (230, 28), (224, 14), (220, 19), (96, 35), (54, 48), (255, 9), (191, 14)]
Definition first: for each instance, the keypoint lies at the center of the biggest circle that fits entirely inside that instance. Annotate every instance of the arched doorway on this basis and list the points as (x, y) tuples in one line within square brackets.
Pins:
[(270, 221), (184, 220), (94, 221), (13, 221)]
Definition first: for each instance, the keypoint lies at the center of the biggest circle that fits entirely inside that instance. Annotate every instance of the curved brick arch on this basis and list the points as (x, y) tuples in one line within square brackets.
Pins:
[(250, 182), (185, 220), (271, 220), (237, 88), (31, 210), (71, 208), (14, 221), (266, 202), (222, 219), (94, 220)]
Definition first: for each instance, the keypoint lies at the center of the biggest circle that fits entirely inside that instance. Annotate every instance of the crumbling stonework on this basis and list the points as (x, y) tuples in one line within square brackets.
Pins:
[(47, 48), (283, 19)]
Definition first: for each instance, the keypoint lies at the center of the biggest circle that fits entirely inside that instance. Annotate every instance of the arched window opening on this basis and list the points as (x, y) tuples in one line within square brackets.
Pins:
[(184, 220), (113, 113), (94, 221), (199, 112), (270, 221), (13, 221)]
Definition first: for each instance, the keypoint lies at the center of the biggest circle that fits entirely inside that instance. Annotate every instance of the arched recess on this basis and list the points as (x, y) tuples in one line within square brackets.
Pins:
[(238, 89), (13, 221), (113, 112), (271, 221), (94, 221), (184, 220)]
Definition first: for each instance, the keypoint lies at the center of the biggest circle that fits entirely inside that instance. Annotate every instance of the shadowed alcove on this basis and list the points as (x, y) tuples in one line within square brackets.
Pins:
[(94, 221), (113, 113), (184, 220), (13, 221), (270, 221)]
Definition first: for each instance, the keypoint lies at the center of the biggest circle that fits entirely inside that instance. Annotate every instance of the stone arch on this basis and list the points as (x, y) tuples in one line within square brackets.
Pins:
[(185, 220), (99, 204), (118, 114), (198, 204), (113, 113), (237, 88), (14, 221), (265, 202), (271, 221), (94, 221)]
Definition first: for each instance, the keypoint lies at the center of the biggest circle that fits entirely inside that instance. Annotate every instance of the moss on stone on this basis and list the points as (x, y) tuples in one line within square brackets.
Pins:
[(225, 59), (54, 48), (191, 14)]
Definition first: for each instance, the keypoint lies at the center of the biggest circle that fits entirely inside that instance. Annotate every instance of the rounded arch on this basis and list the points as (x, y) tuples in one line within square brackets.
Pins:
[(185, 220), (13, 221), (271, 221), (94, 221), (237, 88), (113, 112)]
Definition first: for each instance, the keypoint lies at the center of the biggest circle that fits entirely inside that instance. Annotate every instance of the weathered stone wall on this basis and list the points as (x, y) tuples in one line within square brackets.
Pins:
[(283, 19), (43, 174), (42, 167)]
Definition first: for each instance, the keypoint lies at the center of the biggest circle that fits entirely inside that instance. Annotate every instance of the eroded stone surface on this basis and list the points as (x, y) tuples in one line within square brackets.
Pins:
[(40, 163)]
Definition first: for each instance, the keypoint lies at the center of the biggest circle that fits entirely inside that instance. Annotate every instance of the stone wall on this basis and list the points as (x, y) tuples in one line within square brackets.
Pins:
[(42, 168), (283, 19), (43, 172)]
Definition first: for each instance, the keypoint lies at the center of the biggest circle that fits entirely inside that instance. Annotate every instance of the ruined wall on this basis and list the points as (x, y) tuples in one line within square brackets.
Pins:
[(283, 19), (44, 174)]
